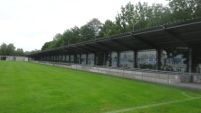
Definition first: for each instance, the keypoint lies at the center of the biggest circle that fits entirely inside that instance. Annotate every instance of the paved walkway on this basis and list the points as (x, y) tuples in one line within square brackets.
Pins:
[(193, 86)]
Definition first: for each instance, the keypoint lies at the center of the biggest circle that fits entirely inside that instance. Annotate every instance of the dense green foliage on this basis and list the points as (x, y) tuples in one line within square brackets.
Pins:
[(131, 18), (10, 50), (33, 88)]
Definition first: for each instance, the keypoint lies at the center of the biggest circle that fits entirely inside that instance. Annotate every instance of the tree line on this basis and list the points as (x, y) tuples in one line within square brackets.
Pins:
[(131, 18), (11, 50)]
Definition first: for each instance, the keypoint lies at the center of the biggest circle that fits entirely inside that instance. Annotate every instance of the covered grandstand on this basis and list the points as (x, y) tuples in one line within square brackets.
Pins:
[(167, 54), (152, 48)]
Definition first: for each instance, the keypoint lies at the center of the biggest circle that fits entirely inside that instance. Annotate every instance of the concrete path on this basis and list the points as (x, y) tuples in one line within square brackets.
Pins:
[(192, 86)]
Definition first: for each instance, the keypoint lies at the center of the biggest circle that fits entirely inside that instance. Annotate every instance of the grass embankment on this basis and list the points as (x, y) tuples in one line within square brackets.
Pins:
[(33, 88)]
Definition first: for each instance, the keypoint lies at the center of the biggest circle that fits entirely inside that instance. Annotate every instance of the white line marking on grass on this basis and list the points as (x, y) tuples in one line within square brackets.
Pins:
[(183, 93), (153, 105), (195, 94)]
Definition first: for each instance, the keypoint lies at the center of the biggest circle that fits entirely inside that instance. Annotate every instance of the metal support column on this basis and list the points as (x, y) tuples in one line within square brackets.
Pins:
[(190, 60), (190, 64), (75, 58), (69, 58), (57, 58), (94, 58), (135, 58), (86, 58), (158, 59), (118, 59), (80, 58), (104, 59), (65, 58), (110, 59)]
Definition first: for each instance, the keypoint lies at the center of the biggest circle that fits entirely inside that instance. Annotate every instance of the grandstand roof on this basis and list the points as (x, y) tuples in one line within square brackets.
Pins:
[(180, 34)]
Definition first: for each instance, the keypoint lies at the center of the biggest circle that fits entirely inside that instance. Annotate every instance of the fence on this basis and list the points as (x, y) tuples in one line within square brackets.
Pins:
[(157, 76)]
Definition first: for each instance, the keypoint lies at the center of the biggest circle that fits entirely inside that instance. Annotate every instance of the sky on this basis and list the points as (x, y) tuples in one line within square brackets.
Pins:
[(28, 24)]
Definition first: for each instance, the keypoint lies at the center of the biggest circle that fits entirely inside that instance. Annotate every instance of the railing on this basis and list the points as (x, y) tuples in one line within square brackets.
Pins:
[(157, 76)]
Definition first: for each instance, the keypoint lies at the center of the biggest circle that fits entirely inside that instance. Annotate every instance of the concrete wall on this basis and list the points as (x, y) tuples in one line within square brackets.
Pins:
[(127, 59), (90, 59), (71, 58), (114, 59), (83, 59), (146, 59), (14, 58)]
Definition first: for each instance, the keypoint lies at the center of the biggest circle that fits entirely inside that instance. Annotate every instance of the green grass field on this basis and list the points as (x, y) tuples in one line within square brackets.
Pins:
[(33, 88)]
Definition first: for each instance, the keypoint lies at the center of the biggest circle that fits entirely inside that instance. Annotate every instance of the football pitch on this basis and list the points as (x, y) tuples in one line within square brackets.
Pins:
[(34, 88)]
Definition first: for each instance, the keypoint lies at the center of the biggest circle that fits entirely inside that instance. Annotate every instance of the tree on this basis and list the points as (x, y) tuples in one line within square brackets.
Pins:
[(19, 52), (90, 30), (34, 51), (157, 14), (132, 17), (10, 49), (57, 40), (3, 48), (95, 25), (185, 9), (140, 16), (71, 36), (197, 8), (109, 28), (47, 45)]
